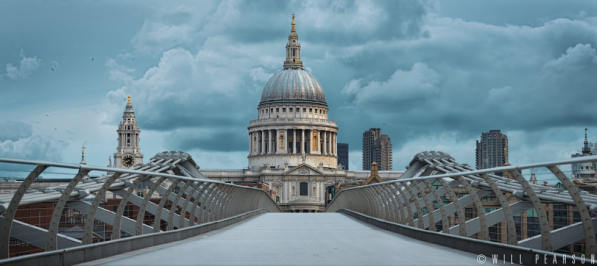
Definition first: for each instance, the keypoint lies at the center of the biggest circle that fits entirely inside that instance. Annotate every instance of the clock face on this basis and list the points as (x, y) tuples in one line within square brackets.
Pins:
[(128, 160)]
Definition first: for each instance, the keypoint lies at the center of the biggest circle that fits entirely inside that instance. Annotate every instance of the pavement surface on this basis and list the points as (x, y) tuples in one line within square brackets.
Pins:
[(296, 239)]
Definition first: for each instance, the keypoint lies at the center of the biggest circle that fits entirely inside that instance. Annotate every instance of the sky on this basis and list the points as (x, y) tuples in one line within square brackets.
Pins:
[(433, 75)]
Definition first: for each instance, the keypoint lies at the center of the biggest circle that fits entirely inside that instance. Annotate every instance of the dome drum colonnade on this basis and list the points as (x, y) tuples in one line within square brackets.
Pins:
[(293, 125)]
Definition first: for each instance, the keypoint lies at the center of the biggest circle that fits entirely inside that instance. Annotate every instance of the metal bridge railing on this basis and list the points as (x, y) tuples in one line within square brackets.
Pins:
[(435, 193), (186, 198)]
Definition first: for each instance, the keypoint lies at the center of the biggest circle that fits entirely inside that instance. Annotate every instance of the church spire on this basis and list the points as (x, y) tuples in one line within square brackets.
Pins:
[(83, 155), (293, 49), (586, 149)]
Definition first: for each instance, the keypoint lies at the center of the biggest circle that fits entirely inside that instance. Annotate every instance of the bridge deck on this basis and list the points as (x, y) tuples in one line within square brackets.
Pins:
[(296, 239)]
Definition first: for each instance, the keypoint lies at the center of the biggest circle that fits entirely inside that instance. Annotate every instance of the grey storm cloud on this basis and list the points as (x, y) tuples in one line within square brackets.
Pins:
[(480, 77), (219, 84), (389, 64)]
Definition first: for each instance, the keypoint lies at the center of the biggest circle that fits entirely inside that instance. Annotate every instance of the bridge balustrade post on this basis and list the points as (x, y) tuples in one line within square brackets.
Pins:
[(384, 200), (428, 205), (213, 215), (125, 198), (394, 203), (10, 212), (220, 210), (484, 232), (206, 204), (440, 203), (380, 201), (364, 203), (370, 192), (196, 210), (509, 217), (175, 204), (157, 222), (543, 224), (146, 198), (414, 197), (190, 196), (370, 203), (401, 205), (216, 205), (123, 202), (587, 222), (406, 202), (229, 198), (459, 208), (52, 243), (99, 196)]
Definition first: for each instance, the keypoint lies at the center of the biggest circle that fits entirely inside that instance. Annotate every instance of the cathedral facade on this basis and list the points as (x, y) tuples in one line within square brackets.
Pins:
[(292, 144)]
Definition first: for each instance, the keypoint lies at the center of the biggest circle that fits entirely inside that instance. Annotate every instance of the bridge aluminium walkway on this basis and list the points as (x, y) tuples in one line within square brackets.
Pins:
[(296, 239)]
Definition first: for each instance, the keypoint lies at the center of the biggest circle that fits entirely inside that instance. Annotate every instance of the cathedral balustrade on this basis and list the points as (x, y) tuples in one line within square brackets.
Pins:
[(438, 195), (168, 193), (286, 121)]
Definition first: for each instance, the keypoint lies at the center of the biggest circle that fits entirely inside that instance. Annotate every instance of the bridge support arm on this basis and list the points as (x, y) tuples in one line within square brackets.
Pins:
[(36, 236)]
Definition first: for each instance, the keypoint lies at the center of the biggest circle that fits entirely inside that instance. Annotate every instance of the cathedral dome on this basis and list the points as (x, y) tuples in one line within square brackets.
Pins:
[(293, 86)]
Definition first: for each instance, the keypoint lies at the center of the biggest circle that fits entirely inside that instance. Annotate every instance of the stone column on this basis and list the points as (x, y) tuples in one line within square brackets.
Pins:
[(294, 141), (269, 140), (325, 143), (250, 144), (332, 143), (285, 140), (302, 141), (262, 150), (335, 143)]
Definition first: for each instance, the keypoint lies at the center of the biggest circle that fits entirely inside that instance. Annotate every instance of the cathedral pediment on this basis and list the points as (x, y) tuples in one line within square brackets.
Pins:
[(305, 170)]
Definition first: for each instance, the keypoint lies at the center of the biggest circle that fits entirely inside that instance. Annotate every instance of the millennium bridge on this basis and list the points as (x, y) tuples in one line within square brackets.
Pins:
[(422, 218)]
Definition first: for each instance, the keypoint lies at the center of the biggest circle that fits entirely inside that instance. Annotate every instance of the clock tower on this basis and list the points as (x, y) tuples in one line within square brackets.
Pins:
[(128, 153)]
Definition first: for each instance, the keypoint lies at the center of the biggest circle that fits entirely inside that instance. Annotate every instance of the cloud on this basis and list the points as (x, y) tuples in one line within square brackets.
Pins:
[(402, 89), (24, 69), (398, 65), (580, 56), (215, 88), (348, 21), (17, 140), (119, 72), (472, 77), (14, 130)]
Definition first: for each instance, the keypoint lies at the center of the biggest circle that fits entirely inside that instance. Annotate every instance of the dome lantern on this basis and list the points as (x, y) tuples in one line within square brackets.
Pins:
[(293, 84)]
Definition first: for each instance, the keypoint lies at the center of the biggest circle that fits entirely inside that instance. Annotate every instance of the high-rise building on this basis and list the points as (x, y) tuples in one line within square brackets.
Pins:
[(343, 155), (492, 150), (377, 147), (128, 152)]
